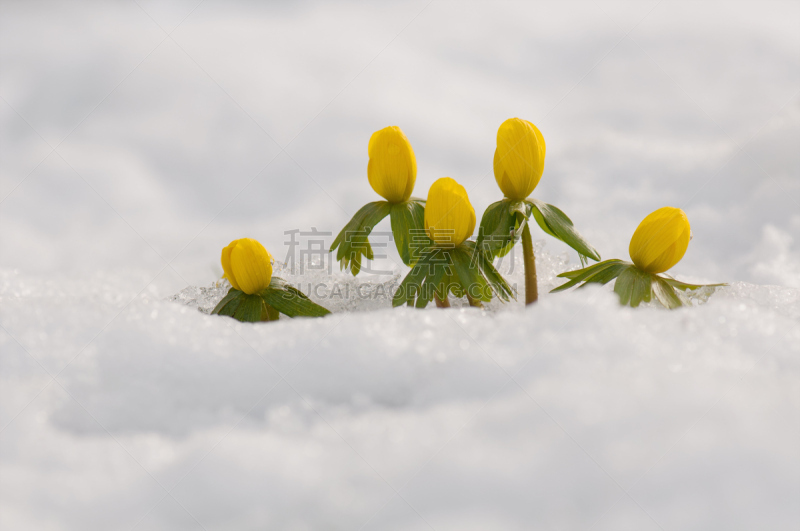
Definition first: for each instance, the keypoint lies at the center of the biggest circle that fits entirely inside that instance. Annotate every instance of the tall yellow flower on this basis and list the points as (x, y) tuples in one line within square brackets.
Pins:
[(247, 265), (660, 240), (392, 168), (449, 216), (519, 158)]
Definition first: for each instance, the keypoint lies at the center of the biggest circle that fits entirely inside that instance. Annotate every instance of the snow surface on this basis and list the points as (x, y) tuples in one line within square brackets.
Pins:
[(571, 414), (137, 139)]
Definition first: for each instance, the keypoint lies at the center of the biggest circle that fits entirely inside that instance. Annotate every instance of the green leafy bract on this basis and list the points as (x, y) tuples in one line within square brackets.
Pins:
[(500, 226), (665, 293), (229, 303), (279, 296), (408, 226), (249, 310), (290, 301), (633, 286), (461, 271), (554, 222), (502, 223), (683, 286), (353, 242), (601, 273)]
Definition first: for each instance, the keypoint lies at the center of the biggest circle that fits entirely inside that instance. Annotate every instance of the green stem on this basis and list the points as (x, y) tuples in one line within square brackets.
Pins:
[(474, 302), (531, 289), (442, 303)]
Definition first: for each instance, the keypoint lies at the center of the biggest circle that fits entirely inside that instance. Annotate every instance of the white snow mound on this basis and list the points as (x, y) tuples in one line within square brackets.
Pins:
[(572, 413)]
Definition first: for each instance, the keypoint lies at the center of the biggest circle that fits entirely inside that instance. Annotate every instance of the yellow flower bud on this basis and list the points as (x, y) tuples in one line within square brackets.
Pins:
[(392, 168), (449, 216), (519, 158), (247, 265), (660, 240)]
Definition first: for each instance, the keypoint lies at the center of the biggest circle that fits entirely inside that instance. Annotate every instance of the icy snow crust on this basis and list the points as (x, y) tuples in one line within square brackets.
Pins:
[(573, 413)]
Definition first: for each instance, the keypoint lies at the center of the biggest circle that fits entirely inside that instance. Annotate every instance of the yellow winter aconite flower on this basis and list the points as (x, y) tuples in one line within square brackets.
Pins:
[(449, 216), (660, 240), (519, 158), (247, 265), (392, 168)]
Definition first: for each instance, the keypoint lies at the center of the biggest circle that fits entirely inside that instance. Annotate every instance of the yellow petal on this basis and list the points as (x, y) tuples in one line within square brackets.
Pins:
[(660, 240), (250, 266), (226, 264), (449, 216), (519, 158), (392, 167)]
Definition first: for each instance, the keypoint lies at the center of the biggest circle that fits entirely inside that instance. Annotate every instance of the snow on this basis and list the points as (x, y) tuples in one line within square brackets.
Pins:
[(137, 139), (572, 413)]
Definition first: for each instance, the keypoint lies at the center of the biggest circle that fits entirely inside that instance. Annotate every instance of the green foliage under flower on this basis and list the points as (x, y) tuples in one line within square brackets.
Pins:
[(266, 305), (460, 270), (633, 285), (503, 221), (353, 241)]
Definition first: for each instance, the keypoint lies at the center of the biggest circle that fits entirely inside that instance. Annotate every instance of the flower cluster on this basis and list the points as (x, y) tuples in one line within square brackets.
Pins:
[(445, 260)]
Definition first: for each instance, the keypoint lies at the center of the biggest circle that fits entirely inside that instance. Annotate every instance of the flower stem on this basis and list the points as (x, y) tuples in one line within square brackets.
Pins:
[(442, 303), (474, 302), (531, 289)]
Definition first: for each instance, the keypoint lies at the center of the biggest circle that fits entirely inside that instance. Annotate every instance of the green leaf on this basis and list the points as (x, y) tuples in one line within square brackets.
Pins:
[(462, 270), (290, 301), (633, 286), (591, 269), (607, 274), (587, 273), (352, 242), (683, 286), (496, 234), (624, 285), (565, 286), (452, 286), (468, 275), (665, 293), (496, 280), (483, 263), (249, 311), (355, 264), (537, 215), (557, 224), (433, 280), (229, 303), (268, 313), (409, 289), (642, 289), (408, 228)]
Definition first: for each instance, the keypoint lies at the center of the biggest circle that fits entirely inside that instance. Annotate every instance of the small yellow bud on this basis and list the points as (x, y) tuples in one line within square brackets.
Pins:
[(660, 240), (392, 168), (247, 265), (449, 216), (519, 158)]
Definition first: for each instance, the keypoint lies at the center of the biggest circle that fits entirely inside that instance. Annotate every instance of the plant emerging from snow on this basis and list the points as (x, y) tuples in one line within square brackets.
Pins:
[(449, 262), (255, 294), (432, 237), (659, 242), (392, 172), (518, 168)]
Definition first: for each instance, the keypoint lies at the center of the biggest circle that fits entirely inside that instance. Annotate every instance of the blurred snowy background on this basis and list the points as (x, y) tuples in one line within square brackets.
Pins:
[(141, 135), (139, 138)]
